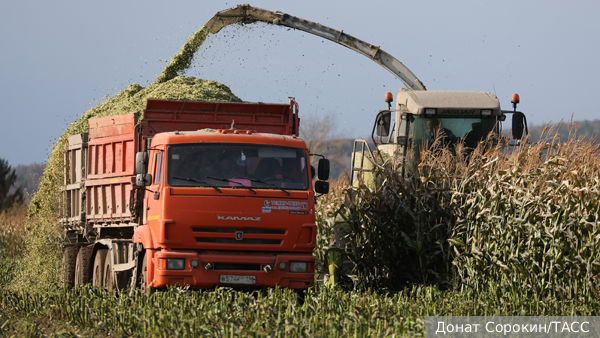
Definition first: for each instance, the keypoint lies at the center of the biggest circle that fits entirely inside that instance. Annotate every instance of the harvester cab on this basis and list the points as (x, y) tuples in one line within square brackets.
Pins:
[(425, 119)]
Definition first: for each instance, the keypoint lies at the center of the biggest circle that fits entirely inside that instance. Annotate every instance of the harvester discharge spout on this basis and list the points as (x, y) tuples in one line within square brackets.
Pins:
[(249, 14)]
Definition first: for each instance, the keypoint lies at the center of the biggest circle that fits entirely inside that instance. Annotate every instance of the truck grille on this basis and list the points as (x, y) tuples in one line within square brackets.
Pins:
[(244, 230), (237, 266), (224, 235), (235, 241)]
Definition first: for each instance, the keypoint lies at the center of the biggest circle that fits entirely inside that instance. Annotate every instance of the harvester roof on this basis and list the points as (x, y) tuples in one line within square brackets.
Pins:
[(448, 102)]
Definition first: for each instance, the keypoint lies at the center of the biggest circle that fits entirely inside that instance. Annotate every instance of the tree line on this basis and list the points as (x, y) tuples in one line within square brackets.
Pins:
[(589, 129), (8, 178)]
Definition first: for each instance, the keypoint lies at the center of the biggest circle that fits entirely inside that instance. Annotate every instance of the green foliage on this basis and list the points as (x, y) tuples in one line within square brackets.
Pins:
[(11, 242), (531, 220), (527, 219), (7, 180), (397, 233), (325, 207), (275, 312), (7, 270)]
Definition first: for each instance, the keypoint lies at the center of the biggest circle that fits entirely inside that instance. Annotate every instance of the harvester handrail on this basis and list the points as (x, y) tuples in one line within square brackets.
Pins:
[(369, 154)]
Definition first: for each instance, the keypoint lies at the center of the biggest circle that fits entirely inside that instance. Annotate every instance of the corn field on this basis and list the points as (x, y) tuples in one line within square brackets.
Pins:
[(530, 221), (92, 312), (526, 218), (505, 231)]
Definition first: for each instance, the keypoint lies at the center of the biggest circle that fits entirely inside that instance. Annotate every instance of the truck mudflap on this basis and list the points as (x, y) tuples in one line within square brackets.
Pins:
[(236, 270)]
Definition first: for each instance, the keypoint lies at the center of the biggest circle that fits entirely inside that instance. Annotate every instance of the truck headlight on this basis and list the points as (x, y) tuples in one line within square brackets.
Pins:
[(171, 264), (430, 111), (486, 112), (298, 267)]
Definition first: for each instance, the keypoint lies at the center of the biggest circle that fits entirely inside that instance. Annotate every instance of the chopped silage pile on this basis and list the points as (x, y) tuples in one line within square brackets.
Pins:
[(40, 267), (133, 99)]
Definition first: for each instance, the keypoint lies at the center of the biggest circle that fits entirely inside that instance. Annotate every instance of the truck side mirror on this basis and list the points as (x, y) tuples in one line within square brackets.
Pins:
[(323, 169), (141, 162), (383, 123), (143, 180), (517, 125), (322, 187)]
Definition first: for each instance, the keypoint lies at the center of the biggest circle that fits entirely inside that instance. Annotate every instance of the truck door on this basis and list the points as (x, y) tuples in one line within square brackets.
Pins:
[(151, 207)]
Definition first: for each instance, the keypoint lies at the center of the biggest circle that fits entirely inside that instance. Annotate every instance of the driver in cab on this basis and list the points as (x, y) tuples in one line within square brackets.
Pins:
[(268, 168), (435, 131)]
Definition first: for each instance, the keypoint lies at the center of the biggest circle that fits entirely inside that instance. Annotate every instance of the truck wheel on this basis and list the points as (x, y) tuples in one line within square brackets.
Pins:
[(109, 281), (82, 265), (98, 272), (144, 277), (68, 266)]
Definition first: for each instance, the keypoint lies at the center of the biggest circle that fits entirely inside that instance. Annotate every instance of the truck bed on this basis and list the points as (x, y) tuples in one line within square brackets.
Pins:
[(107, 160)]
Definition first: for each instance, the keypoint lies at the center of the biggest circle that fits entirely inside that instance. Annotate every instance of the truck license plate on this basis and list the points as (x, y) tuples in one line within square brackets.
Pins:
[(237, 279)]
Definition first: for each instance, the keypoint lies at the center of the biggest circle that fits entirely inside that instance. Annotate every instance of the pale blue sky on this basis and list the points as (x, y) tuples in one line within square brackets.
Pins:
[(61, 57)]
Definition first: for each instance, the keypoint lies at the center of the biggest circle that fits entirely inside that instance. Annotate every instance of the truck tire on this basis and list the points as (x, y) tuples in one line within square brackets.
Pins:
[(68, 265), (98, 271), (144, 277), (82, 265), (109, 281)]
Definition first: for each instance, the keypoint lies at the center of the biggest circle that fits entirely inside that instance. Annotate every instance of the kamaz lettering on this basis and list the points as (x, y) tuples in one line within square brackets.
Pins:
[(236, 218)]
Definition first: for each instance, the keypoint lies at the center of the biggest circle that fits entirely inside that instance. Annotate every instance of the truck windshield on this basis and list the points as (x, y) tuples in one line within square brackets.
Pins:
[(237, 165), (471, 131)]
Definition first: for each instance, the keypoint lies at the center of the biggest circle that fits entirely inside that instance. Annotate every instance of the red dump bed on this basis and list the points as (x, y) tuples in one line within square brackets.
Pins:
[(114, 141), (167, 115)]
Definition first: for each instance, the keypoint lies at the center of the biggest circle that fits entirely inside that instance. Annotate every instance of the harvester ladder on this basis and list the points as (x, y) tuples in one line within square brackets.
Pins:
[(370, 156)]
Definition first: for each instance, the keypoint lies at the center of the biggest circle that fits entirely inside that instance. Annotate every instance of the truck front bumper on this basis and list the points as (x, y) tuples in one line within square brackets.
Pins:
[(245, 270)]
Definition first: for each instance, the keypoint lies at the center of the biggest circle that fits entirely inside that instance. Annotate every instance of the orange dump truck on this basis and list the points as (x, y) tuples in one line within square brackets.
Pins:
[(192, 193)]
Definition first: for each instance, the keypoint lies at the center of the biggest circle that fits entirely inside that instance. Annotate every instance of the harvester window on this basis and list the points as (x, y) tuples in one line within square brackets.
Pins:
[(471, 131)]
